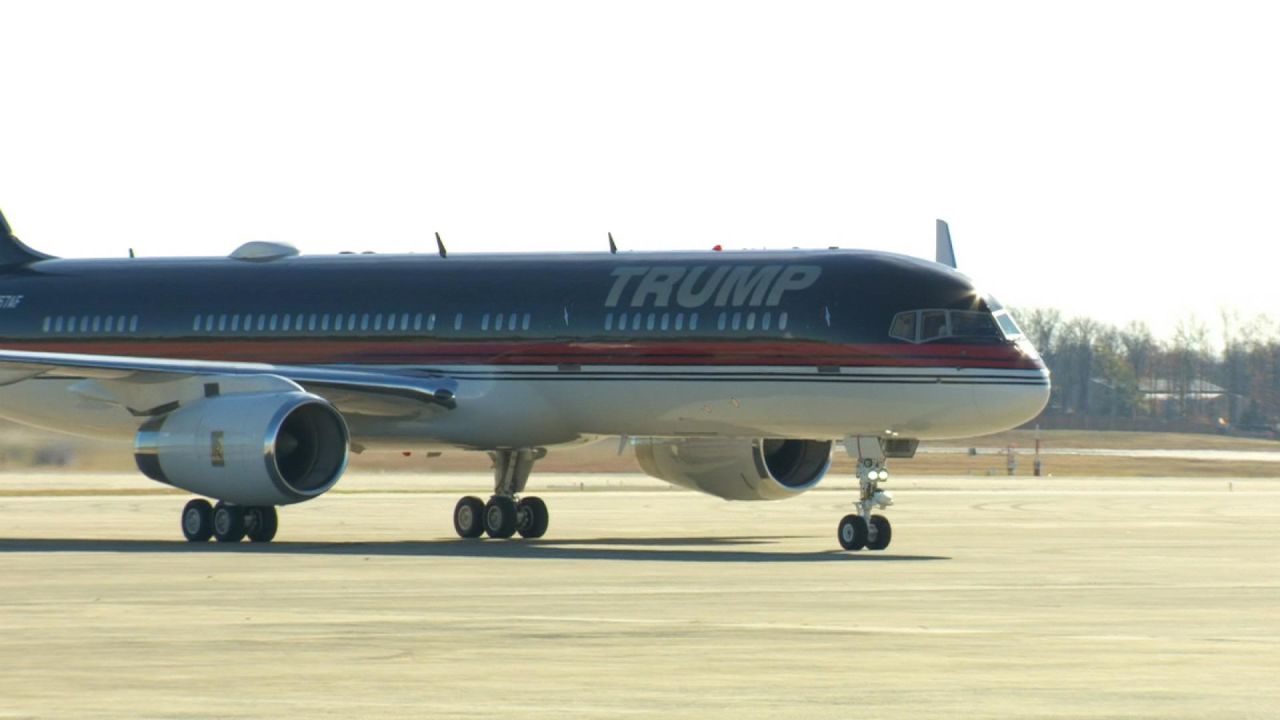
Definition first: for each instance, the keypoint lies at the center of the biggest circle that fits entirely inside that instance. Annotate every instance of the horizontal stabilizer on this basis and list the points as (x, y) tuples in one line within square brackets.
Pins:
[(12, 252)]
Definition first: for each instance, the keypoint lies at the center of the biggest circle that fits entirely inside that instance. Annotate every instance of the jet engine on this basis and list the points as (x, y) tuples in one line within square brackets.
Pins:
[(252, 449), (738, 469)]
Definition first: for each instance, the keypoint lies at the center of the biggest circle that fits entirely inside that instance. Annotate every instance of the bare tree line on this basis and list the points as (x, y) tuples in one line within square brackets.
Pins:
[(1111, 376)]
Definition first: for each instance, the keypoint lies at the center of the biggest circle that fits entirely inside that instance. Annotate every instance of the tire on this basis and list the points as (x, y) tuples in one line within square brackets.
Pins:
[(197, 521), (852, 532), (468, 517), (532, 517), (228, 523), (261, 523), (881, 532), (500, 517)]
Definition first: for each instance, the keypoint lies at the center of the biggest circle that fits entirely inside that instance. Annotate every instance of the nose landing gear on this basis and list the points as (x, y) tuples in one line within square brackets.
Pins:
[(862, 529)]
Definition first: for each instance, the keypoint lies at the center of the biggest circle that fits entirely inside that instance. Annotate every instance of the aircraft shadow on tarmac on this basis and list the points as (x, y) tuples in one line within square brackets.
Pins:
[(708, 549)]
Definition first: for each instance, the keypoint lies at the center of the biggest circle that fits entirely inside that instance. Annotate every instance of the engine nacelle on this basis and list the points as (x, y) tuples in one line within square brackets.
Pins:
[(738, 469), (253, 449)]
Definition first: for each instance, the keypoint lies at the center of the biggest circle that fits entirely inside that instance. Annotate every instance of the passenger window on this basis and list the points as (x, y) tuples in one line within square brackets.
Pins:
[(110, 318), (649, 326), (528, 320), (622, 321), (737, 320), (337, 322), (720, 322), (666, 321), (194, 326), (377, 323), (235, 323), (404, 321), (608, 321), (457, 321), (287, 322), (324, 322), (431, 321), (782, 321), (766, 320), (222, 323), (693, 321), (133, 324), (364, 321)]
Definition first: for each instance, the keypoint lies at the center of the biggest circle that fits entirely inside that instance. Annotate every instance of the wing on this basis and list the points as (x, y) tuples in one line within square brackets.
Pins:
[(152, 386)]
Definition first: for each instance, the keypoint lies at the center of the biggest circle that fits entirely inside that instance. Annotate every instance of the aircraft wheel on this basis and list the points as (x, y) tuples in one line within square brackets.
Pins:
[(261, 523), (197, 521), (228, 523), (880, 533), (532, 517), (500, 517), (852, 532), (468, 517)]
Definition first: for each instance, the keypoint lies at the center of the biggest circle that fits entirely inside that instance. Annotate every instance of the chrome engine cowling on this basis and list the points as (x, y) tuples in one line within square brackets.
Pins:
[(765, 469), (272, 448)]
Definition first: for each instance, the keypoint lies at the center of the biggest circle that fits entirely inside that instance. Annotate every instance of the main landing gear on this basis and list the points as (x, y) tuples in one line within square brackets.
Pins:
[(229, 523), (504, 516), (862, 529)]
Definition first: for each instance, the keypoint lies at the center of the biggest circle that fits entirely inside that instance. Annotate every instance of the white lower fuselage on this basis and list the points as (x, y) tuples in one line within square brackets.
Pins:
[(542, 406)]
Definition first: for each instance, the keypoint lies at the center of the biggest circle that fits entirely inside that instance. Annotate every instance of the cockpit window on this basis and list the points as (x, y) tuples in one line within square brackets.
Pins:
[(933, 325), (1010, 328), (973, 324), (920, 326), (904, 327)]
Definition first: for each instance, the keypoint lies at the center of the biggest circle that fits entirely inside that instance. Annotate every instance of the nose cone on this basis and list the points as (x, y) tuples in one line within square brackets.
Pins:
[(1008, 405), (1017, 398)]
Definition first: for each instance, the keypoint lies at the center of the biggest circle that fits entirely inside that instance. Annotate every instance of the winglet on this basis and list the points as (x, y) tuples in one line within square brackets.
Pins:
[(613, 246), (12, 252), (440, 247), (946, 255)]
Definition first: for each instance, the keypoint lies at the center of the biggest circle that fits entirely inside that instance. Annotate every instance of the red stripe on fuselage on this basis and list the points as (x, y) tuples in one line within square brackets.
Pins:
[(398, 351)]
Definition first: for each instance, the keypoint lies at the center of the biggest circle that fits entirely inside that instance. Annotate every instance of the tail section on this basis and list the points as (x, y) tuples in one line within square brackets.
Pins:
[(13, 253), (946, 255)]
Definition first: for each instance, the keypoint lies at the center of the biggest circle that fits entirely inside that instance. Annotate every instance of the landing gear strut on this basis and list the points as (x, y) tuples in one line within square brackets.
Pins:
[(863, 529), (228, 523), (504, 516)]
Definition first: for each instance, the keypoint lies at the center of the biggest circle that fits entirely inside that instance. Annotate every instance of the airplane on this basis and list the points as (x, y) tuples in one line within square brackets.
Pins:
[(250, 379)]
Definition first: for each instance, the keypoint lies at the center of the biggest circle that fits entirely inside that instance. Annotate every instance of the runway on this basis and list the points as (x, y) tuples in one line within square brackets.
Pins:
[(999, 598)]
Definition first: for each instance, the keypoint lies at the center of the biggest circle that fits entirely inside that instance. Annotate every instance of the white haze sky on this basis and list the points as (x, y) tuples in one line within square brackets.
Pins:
[(1115, 159)]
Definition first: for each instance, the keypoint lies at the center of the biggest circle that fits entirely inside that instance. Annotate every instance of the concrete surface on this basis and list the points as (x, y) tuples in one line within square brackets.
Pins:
[(999, 598)]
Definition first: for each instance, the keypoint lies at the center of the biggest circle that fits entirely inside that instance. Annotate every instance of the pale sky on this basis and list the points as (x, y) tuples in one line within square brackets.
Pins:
[(1114, 159)]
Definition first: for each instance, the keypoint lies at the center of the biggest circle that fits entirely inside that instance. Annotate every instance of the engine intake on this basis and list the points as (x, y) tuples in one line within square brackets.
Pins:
[(770, 469), (251, 449)]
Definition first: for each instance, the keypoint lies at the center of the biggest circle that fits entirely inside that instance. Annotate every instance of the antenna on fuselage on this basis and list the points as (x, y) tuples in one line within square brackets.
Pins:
[(945, 254), (440, 246), (613, 247), (130, 253)]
